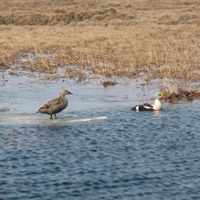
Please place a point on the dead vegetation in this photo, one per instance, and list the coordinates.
(124, 52)
(153, 39)
(182, 95)
(61, 12)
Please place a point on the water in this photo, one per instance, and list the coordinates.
(98, 148)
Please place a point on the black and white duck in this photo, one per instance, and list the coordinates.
(55, 106)
(150, 107)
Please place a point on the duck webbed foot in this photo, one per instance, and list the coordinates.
(55, 116)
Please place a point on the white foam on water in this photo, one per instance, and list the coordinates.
(87, 119)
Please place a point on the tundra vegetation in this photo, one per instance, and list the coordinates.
(155, 39)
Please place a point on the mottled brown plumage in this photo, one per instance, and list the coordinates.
(55, 105)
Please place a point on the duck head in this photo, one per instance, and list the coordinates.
(160, 96)
(65, 92)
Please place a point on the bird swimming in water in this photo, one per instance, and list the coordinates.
(150, 107)
(55, 106)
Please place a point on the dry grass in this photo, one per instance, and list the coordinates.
(104, 12)
(160, 39)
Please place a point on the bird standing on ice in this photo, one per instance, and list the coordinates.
(149, 107)
(55, 105)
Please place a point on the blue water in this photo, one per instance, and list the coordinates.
(128, 155)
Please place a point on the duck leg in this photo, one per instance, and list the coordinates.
(50, 116)
(55, 116)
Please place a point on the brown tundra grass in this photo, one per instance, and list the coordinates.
(157, 39)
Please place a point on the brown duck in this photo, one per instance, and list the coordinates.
(55, 105)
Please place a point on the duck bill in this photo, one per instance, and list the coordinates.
(163, 96)
(70, 92)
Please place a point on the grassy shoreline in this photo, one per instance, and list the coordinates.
(158, 39)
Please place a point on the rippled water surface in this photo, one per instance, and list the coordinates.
(97, 148)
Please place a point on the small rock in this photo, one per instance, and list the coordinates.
(109, 83)
(4, 109)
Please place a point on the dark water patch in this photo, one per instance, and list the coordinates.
(128, 155)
